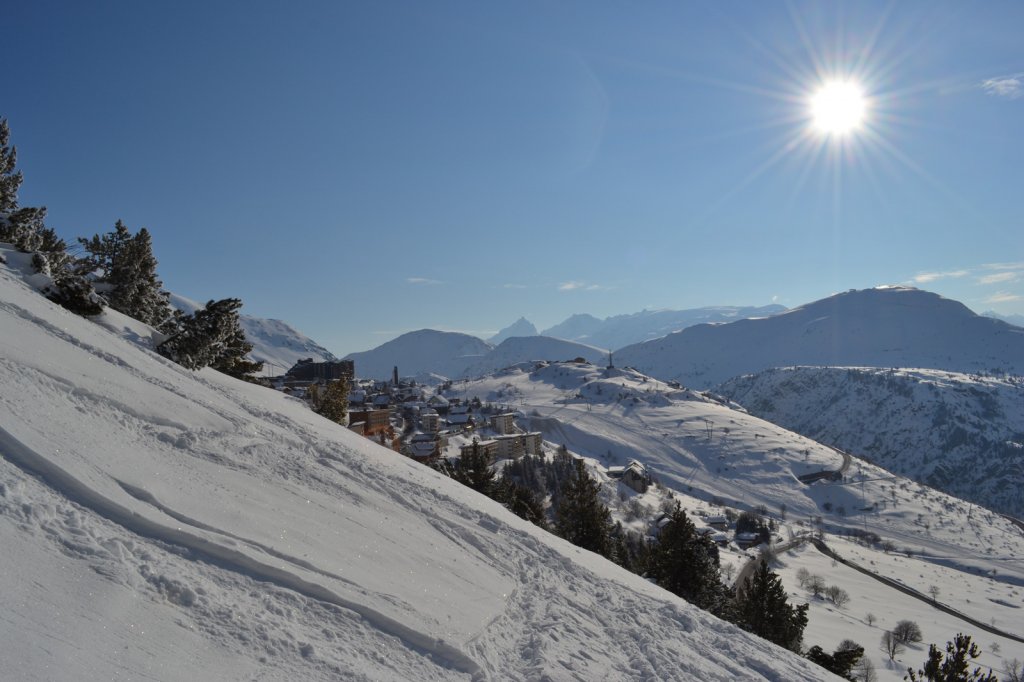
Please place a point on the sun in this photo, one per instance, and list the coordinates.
(838, 108)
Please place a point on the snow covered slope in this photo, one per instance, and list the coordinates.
(715, 457)
(623, 330)
(1017, 320)
(883, 327)
(162, 524)
(274, 342)
(958, 433)
(706, 448)
(521, 327)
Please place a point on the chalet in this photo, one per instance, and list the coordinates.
(718, 522)
(438, 402)
(748, 540)
(504, 423)
(462, 420)
(426, 446)
(633, 475)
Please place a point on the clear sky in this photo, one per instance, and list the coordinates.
(361, 169)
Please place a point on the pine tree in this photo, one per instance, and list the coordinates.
(840, 662)
(954, 666)
(686, 563)
(332, 401)
(9, 180)
(582, 518)
(762, 609)
(474, 471)
(126, 267)
(212, 337)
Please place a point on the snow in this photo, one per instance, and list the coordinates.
(712, 454)
(274, 342)
(961, 433)
(883, 327)
(165, 524)
(619, 331)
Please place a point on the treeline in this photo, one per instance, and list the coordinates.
(559, 495)
(118, 270)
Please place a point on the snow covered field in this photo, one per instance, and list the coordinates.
(164, 524)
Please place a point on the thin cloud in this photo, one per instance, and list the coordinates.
(421, 281)
(999, 277)
(925, 277)
(1004, 297)
(1009, 87)
(514, 286)
(1004, 266)
(574, 285)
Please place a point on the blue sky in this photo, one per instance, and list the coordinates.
(364, 169)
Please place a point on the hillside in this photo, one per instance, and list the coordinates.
(713, 457)
(883, 327)
(958, 433)
(423, 351)
(164, 524)
(622, 330)
(274, 342)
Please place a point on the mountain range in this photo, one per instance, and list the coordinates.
(455, 355)
(881, 327)
(622, 330)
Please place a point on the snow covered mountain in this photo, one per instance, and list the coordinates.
(958, 433)
(521, 327)
(623, 330)
(883, 327)
(423, 351)
(575, 328)
(274, 342)
(165, 524)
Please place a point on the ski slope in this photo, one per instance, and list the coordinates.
(172, 525)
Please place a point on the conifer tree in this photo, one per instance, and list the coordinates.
(954, 666)
(841, 662)
(762, 609)
(686, 563)
(582, 518)
(9, 180)
(212, 337)
(26, 229)
(124, 263)
(474, 471)
(521, 501)
(332, 401)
